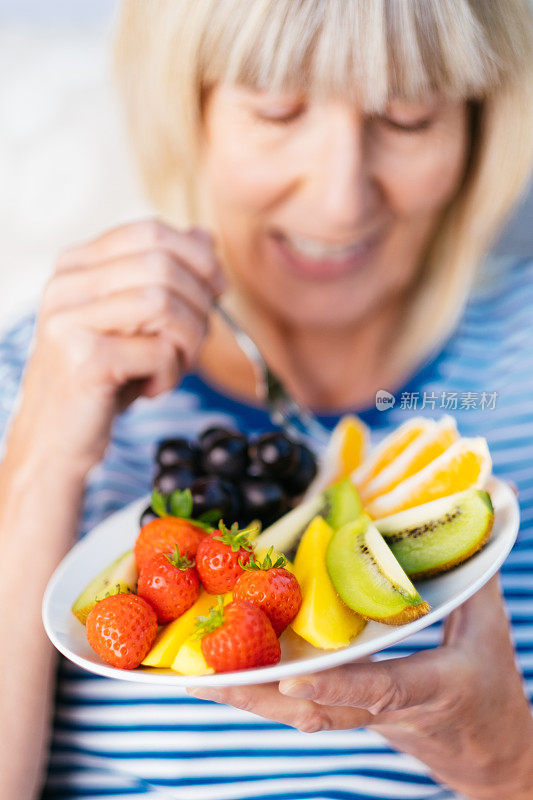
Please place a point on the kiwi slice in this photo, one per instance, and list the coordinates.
(437, 536)
(119, 577)
(368, 577)
(338, 505)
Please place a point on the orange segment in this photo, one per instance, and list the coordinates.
(465, 464)
(353, 442)
(345, 452)
(389, 449)
(424, 449)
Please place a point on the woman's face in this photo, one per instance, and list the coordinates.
(324, 213)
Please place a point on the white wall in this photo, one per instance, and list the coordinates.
(65, 167)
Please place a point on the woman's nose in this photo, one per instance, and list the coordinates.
(341, 174)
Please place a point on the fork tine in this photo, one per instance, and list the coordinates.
(283, 409)
(294, 416)
(249, 348)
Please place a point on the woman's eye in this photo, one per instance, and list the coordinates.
(281, 117)
(408, 127)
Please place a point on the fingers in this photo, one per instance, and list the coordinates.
(266, 701)
(192, 247)
(131, 312)
(156, 269)
(378, 687)
(481, 624)
(151, 362)
(151, 359)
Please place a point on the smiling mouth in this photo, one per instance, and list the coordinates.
(317, 258)
(319, 250)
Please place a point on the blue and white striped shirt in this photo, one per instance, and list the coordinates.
(119, 739)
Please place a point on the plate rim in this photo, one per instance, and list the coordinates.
(326, 660)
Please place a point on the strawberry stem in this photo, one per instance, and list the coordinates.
(180, 504)
(214, 619)
(234, 537)
(179, 561)
(266, 564)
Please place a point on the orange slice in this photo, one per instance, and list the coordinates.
(352, 436)
(424, 448)
(345, 452)
(464, 464)
(389, 449)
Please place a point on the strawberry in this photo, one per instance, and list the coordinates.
(238, 636)
(220, 557)
(170, 583)
(121, 629)
(271, 587)
(164, 535)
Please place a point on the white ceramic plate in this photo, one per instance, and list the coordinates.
(117, 534)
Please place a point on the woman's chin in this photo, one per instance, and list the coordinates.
(316, 308)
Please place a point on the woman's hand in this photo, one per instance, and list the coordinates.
(459, 708)
(123, 316)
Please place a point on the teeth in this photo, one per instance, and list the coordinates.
(311, 248)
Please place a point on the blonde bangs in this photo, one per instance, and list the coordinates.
(367, 52)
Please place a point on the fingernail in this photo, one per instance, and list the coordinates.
(302, 689)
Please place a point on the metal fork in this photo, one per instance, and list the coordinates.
(283, 409)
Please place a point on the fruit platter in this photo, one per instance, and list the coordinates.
(255, 560)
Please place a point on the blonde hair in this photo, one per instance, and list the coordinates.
(169, 52)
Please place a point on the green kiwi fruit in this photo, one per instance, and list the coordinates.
(119, 577)
(437, 536)
(368, 577)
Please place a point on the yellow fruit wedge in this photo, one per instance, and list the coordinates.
(424, 449)
(190, 659)
(465, 464)
(171, 637)
(120, 576)
(389, 449)
(346, 450)
(350, 438)
(324, 619)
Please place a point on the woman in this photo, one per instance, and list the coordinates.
(352, 163)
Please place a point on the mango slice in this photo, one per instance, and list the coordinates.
(171, 637)
(324, 619)
(190, 659)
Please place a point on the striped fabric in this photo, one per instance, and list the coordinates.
(117, 739)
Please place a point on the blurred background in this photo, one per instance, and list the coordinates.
(66, 172)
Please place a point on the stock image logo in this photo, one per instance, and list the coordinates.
(447, 400)
(384, 400)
